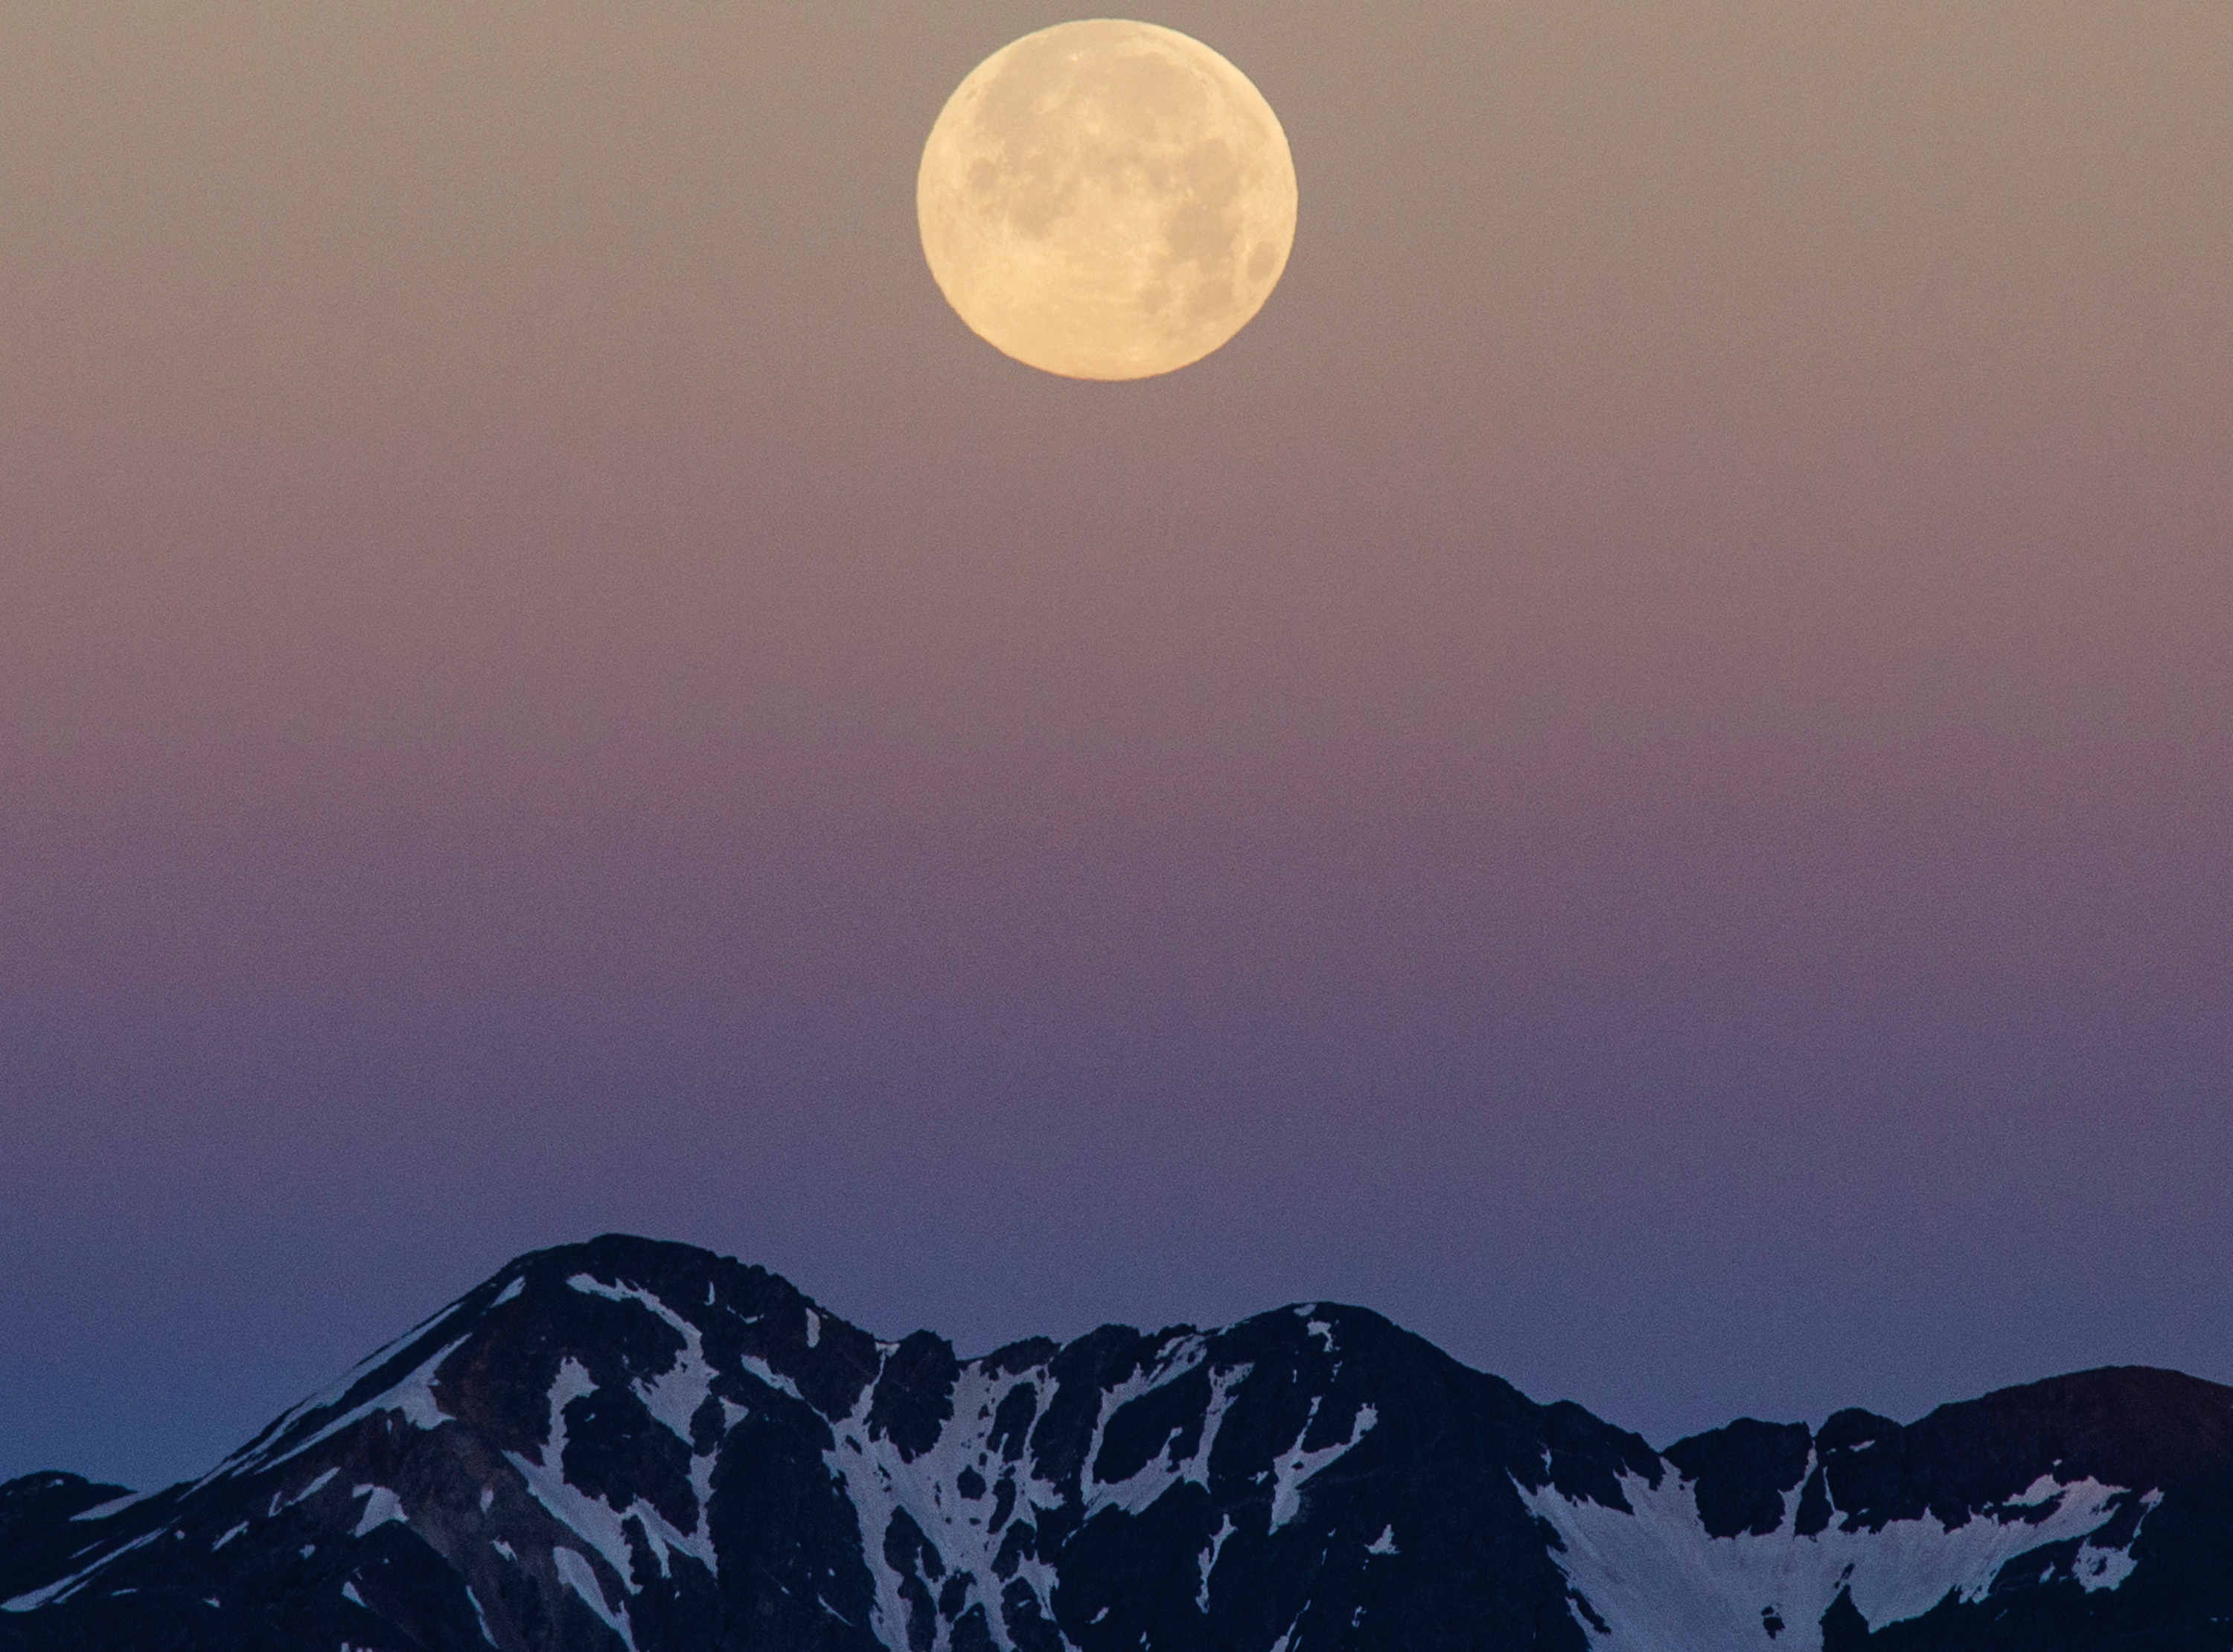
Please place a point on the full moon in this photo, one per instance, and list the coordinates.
(1106, 199)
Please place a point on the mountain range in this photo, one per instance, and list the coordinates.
(629, 1446)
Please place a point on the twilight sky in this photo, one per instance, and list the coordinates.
(1639, 776)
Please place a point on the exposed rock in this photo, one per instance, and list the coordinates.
(633, 1445)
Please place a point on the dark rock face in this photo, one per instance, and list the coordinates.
(38, 1532)
(1743, 1473)
(632, 1445)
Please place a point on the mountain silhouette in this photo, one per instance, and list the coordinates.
(628, 1446)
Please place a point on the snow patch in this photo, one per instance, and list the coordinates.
(1158, 1474)
(381, 1508)
(1225, 1530)
(115, 1505)
(1222, 1384)
(413, 1396)
(1295, 1466)
(2108, 1568)
(674, 1397)
(480, 1615)
(67, 1586)
(1657, 1580)
(760, 1368)
(582, 1578)
(591, 1519)
(880, 1482)
(257, 1452)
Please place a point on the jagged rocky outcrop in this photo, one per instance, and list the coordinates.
(633, 1445)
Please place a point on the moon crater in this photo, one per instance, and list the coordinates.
(1106, 199)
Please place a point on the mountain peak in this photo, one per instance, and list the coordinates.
(632, 1444)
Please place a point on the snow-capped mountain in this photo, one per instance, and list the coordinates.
(633, 1445)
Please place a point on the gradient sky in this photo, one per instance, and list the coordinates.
(1639, 776)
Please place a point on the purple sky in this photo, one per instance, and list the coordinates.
(1639, 776)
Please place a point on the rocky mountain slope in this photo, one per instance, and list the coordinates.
(633, 1445)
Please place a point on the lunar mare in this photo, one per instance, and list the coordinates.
(1106, 199)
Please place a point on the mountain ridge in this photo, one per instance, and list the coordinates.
(632, 1444)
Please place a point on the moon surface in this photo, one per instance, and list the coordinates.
(1106, 199)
